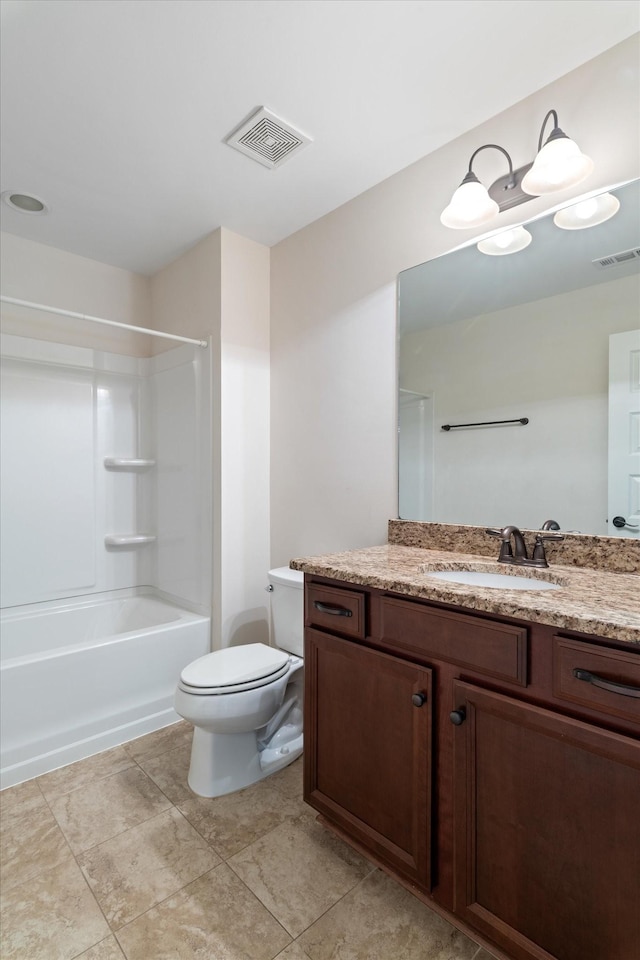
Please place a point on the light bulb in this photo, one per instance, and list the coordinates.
(504, 240)
(509, 241)
(586, 209)
(587, 213)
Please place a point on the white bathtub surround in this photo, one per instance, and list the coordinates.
(79, 676)
(106, 545)
(106, 472)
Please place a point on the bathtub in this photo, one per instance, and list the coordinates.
(78, 677)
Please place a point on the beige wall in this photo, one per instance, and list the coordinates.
(42, 274)
(333, 338)
(220, 289)
(244, 441)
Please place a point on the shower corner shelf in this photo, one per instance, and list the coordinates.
(127, 463)
(128, 540)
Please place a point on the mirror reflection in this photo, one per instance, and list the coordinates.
(550, 335)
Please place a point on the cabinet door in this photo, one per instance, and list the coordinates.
(368, 749)
(547, 843)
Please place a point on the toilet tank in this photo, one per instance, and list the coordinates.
(287, 609)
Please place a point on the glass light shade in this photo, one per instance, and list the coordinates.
(558, 165)
(509, 241)
(587, 213)
(470, 206)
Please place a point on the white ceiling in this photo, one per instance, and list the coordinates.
(115, 111)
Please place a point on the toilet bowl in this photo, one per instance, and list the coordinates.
(245, 702)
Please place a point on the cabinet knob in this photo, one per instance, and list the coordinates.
(458, 716)
(418, 699)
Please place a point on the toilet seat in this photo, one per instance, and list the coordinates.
(234, 670)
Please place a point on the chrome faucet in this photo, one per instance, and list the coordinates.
(517, 554)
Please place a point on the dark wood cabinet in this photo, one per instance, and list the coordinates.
(521, 822)
(368, 750)
(547, 830)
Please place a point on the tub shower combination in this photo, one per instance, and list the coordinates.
(105, 546)
(79, 677)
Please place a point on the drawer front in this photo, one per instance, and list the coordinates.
(597, 677)
(486, 646)
(336, 609)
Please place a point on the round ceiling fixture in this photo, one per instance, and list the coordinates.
(25, 203)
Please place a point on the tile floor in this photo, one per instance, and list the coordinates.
(114, 857)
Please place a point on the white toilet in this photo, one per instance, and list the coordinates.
(245, 702)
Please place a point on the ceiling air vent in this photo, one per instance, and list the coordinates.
(615, 258)
(267, 139)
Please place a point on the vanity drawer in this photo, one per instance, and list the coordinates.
(486, 646)
(336, 609)
(597, 677)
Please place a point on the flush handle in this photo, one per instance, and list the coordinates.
(332, 608)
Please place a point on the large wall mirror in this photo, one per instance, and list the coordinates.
(549, 335)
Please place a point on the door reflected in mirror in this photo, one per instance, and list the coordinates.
(524, 337)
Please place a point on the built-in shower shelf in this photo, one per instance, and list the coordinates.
(128, 539)
(127, 463)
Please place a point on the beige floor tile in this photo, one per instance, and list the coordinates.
(169, 771)
(107, 950)
(235, 821)
(214, 918)
(379, 919)
(99, 811)
(31, 844)
(139, 868)
(153, 744)
(289, 780)
(60, 782)
(53, 916)
(18, 800)
(298, 871)
(484, 955)
(294, 952)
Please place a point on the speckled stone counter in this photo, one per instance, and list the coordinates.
(589, 601)
(614, 554)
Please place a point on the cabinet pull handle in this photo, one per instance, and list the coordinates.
(622, 688)
(458, 716)
(332, 608)
(418, 699)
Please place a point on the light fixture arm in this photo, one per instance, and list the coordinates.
(555, 133)
(491, 146)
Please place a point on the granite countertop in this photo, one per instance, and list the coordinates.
(589, 601)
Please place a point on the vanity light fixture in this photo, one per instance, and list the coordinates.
(506, 242)
(587, 213)
(558, 164)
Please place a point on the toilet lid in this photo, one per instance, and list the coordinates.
(246, 664)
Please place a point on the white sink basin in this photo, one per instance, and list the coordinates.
(503, 581)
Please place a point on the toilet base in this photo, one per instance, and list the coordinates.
(223, 763)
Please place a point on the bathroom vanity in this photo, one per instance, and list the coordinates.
(483, 745)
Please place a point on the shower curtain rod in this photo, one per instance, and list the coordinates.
(110, 323)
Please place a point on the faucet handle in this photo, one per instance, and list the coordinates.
(539, 556)
(506, 553)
